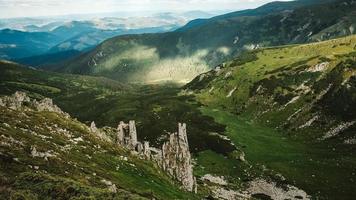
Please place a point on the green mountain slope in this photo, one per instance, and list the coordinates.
(181, 55)
(306, 88)
(292, 109)
(48, 155)
(156, 109)
(262, 156)
(18, 44)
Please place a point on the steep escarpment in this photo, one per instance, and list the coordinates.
(181, 55)
(305, 88)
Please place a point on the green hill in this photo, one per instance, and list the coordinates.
(156, 109)
(291, 108)
(181, 55)
(298, 87)
(48, 155)
(289, 123)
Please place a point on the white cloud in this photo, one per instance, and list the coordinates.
(30, 8)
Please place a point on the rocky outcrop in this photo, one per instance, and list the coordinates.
(99, 133)
(127, 136)
(111, 186)
(20, 101)
(44, 155)
(174, 157)
(337, 130)
(93, 127)
(214, 179)
(231, 92)
(273, 191)
(46, 104)
(319, 67)
(16, 101)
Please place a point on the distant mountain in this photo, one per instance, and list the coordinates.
(17, 44)
(197, 14)
(105, 21)
(180, 55)
(49, 36)
(48, 59)
(74, 28)
(266, 9)
(42, 28)
(88, 39)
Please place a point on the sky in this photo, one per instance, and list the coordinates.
(32, 8)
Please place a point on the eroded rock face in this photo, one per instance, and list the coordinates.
(99, 133)
(214, 179)
(271, 190)
(20, 101)
(176, 158)
(111, 187)
(46, 104)
(93, 127)
(319, 67)
(146, 149)
(16, 101)
(127, 135)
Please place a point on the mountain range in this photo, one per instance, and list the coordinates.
(202, 44)
(40, 36)
(264, 100)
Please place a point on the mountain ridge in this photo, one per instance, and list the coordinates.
(170, 55)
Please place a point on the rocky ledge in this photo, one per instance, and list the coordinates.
(20, 101)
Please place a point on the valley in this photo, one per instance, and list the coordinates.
(270, 152)
(311, 166)
(255, 104)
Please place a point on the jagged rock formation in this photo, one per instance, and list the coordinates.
(93, 127)
(174, 157)
(20, 100)
(98, 133)
(273, 191)
(127, 136)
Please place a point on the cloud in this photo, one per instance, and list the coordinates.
(30, 8)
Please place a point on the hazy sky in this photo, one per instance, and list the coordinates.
(30, 8)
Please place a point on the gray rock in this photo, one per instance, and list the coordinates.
(20, 101)
(176, 158)
(93, 127)
(120, 133)
(146, 149)
(99, 133)
(133, 133)
(127, 135)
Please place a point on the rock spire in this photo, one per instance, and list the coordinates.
(174, 157)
